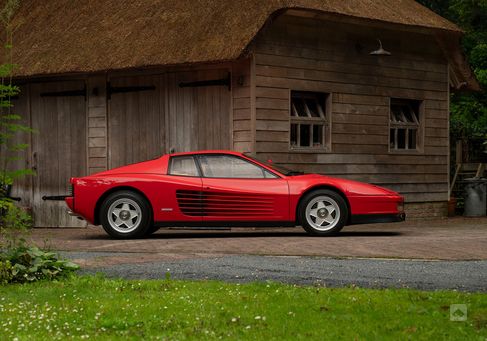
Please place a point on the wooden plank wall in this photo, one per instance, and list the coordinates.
(58, 147)
(97, 124)
(242, 132)
(198, 118)
(136, 121)
(146, 124)
(297, 53)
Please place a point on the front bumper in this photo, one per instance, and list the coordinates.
(377, 218)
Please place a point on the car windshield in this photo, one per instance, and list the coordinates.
(281, 169)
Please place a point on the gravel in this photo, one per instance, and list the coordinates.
(370, 273)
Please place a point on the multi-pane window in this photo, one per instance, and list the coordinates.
(404, 124)
(309, 119)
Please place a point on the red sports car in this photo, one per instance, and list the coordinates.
(225, 188)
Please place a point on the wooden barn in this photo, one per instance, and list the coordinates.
(351, 88)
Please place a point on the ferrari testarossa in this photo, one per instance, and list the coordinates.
(224, 188)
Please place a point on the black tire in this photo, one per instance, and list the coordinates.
(152, 229)
(137, 205)
(310, 202)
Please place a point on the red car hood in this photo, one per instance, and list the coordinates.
(349, 186)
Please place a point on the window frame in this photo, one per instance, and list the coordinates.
(419, 127)
(325, 121)
(200, 168)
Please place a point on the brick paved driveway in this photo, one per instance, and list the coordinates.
(449, 239)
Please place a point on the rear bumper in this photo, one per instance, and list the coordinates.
(70, 202)
(72, 214)
(70, 210)
(377, 218)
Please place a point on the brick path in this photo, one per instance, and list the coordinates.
(450, 239)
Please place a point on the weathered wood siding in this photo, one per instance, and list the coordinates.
(146, 124)
(58, 149)
(97, 124)
(307, 54)
(136, 126)
(198, 118)
(242, 119)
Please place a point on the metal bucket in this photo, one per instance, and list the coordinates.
(475, 197)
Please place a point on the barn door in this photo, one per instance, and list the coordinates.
(135, 120)
(58, 147)
(198, 110)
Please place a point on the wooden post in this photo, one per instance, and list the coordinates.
(97, 124)
(459, 152)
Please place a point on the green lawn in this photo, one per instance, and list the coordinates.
(98, 308)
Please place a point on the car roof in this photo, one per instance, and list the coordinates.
(199, 152)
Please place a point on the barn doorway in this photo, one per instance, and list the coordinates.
(150, 115)
(136, 119)
(58, 148)
(198, 113)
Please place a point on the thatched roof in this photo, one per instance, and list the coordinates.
(65, 36)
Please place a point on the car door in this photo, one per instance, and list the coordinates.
(238, 190)
(179, 196)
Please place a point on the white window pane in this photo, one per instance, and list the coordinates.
(184, 166)
(222, 166)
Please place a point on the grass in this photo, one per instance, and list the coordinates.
(92, 307)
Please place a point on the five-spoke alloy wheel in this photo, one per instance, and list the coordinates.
(126, 214)
(323, 212)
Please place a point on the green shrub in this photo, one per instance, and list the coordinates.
(14, 217)
(14, 224)
(6, 275)
(29, 264)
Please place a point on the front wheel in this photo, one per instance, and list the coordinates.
(126, 214)
(323, 212)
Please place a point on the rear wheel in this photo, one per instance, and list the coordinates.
(126, 214)
(323, 212)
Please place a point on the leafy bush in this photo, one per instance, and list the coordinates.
(16, 217)
(6, 274)
(29, 264)
(14, 224)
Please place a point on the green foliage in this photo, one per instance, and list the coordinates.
(13, 220)
(18, 261)
(14, 224)
(6, 274)
(15, 217)
(468, 110)
(11, 123)
(8, 10)
(28, 264)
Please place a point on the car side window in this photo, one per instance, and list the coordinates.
(183, 166)
(227, 166)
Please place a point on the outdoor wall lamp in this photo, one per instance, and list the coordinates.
(380, 51)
